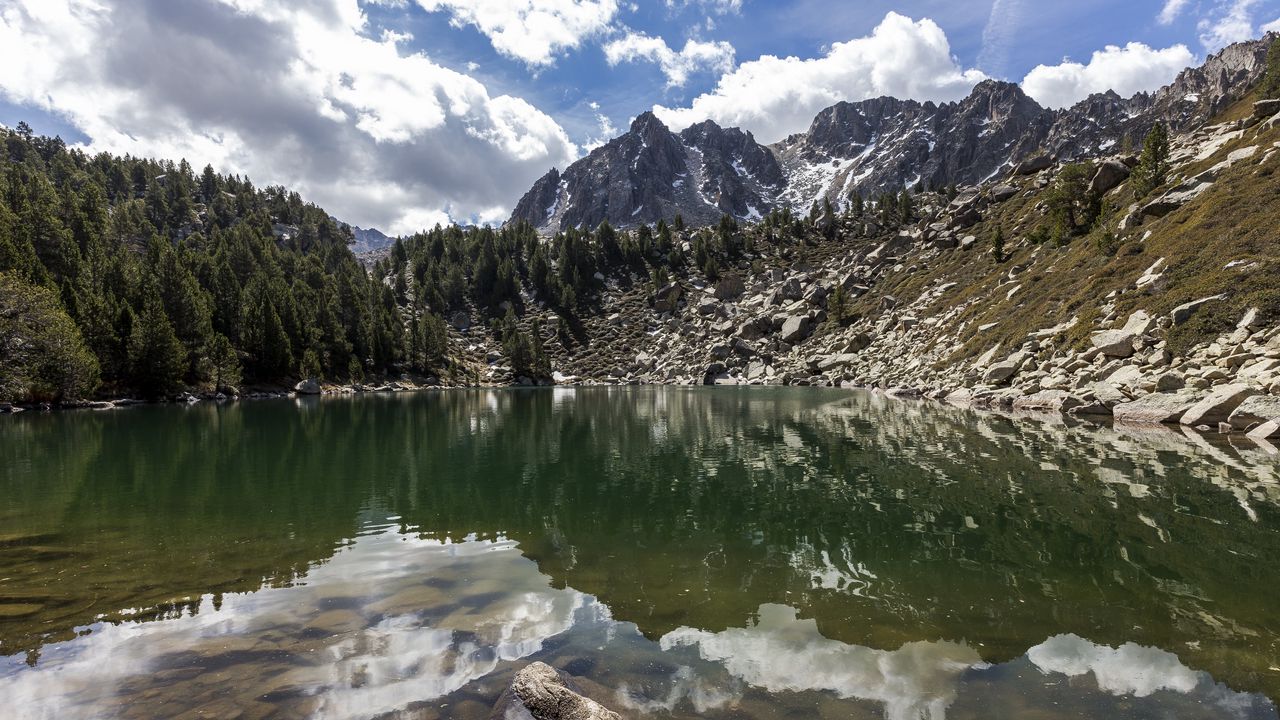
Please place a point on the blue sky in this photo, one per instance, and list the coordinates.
(402, 113)
(1018, 36)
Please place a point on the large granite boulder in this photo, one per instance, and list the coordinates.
(1217, 406)
(1032, 166)
(1183, 312)
(1266, 108)
(796, 328)
(1255, 411)
(1266, 431)
(1108, 177)
(1059, 401)
(729, 287)
(666, 298)
(1119, 343)
(1156, 408)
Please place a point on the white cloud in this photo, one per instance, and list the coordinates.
(287, 92)
(720, 7)
(607, 131)
(782, 653)
(1233, 23)
(677, 66)
(532, 31)
(1000, 34)
(1271, 27)
(1171, 11)
(1127, 70)
(773, 97)
(1128, 670)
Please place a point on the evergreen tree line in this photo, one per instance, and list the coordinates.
(444, 271)
(141, 276)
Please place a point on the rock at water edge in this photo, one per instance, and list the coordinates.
(1156, 408)
(1218, 405)
(547, 696)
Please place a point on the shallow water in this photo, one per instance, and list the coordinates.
(736, 553)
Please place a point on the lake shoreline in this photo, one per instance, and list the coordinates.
(1001, 405)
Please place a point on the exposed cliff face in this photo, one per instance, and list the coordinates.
(651, 173)
(886, 144)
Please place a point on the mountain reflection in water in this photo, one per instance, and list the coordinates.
(760, 553)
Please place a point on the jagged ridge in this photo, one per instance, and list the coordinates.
(704, 172)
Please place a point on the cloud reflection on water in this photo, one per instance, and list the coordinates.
(394, 619)
(782, 653)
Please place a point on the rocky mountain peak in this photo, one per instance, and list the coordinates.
(1000, 100)
(868, 146)
(648, 127)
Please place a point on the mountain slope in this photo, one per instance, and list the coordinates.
(883, 144)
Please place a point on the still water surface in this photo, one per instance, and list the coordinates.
(729, 553)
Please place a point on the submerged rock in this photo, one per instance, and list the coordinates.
(546, 695)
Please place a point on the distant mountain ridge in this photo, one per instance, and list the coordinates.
(704, 172)
(369, 240)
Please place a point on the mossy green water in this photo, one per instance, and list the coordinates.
(358, 557)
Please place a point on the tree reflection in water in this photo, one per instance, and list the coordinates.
(762, 551)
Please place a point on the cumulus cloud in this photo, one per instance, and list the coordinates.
(1171, 11)
(1233, 23)
(1271, 27)
(1127, 70)
(287, 92)
(695, 56)
(774, 97)
(532, 31)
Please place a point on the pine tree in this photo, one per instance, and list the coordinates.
(997, 244)
(1153, 163)
(42, 353)
(225, 362)
(839, 313)
(265, 337)
(309, 367)
(435, 342)
(1070, 204)
(157, 358)
(524, 351)
(1270, 88)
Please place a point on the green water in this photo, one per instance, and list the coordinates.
(753, 553)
